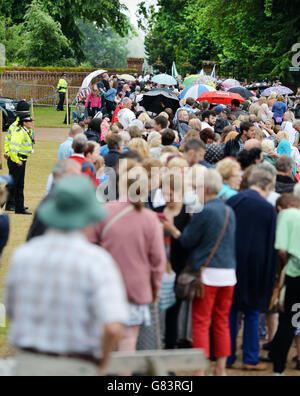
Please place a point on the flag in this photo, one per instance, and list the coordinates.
(83, 94)
(213, 74)
(174, 71)
(202, 73)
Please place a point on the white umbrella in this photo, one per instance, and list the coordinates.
(127, 77)
(90, 78)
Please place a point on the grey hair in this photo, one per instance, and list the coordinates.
(79, 143)
(180, 112)
(265, 166)
(267, 146)
(125, 137)
(284, 164)
(261, 178)
(61, 167)
(296, 124)
(213, 181)
(297, 190)
(126, 101)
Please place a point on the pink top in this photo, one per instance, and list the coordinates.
(136, 242)
(95, 101)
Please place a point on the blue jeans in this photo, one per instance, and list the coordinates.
(251, 345)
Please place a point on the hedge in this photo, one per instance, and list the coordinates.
(66, 69)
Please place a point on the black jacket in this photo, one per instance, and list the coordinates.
(284, 184)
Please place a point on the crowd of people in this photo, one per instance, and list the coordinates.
(217, 195)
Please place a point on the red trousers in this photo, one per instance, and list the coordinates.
(213, 309)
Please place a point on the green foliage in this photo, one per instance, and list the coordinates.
(82, 69)
(172, 34)
(255, 35)
(67, 12)
(103, 47)
(43, 41)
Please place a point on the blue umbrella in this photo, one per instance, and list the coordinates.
(194, 91)
(164, 79)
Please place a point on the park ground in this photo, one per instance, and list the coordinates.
(39, 167)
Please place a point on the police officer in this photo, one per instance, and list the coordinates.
(20, 149)
(22, 110)
(62, 89)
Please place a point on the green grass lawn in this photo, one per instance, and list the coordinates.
(48, 117)
(37, 172)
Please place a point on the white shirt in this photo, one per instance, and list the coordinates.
(60, 293)
(206, 125)
(126, 117)
(218, 277)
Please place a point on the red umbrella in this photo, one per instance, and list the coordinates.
(220, 97)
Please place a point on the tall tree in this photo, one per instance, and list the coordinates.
(103, 47)
(43, 41)
(67, 12)
(172, 34)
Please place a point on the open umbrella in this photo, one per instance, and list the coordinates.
(256, 86)
(231, 82)
(194, 91)
(164, 79)
(90, 78)
(127, 77)
(207, 80)
(220, 97)
(244, 92)
(190, 79)
(157, 100)
(279, 90)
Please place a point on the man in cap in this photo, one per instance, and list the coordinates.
(20, 149)
(66, 318)
(62, 90)
(22, 110)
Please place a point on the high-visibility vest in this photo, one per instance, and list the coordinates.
(21, 145)
(11, 129)
(62, 86)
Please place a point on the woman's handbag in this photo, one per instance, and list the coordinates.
(189, 284)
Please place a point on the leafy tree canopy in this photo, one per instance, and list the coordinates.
(103, 47)
(67, 12)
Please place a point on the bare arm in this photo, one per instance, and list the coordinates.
(112, 335)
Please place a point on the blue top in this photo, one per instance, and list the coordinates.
(279, 109)
(104, 150)
(226, 193)
(65, 149)
(201, 235)
(110, 95)
(4, 232)
(207, 164)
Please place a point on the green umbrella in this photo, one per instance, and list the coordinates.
(190, 79)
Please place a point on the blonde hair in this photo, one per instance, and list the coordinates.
(164, 114)
(195, 124)
(282, 136)
(178, 162)
(273, 96)
(156, 142)
(192, 134)
(267, 146)
(144, 117)
(289, 116)
(170, 150)
(126, 180)
(259, 134)
(226, 168)
(99, 163)
(139, 146)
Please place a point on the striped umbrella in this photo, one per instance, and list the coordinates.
(190, 79)
(195, 91)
